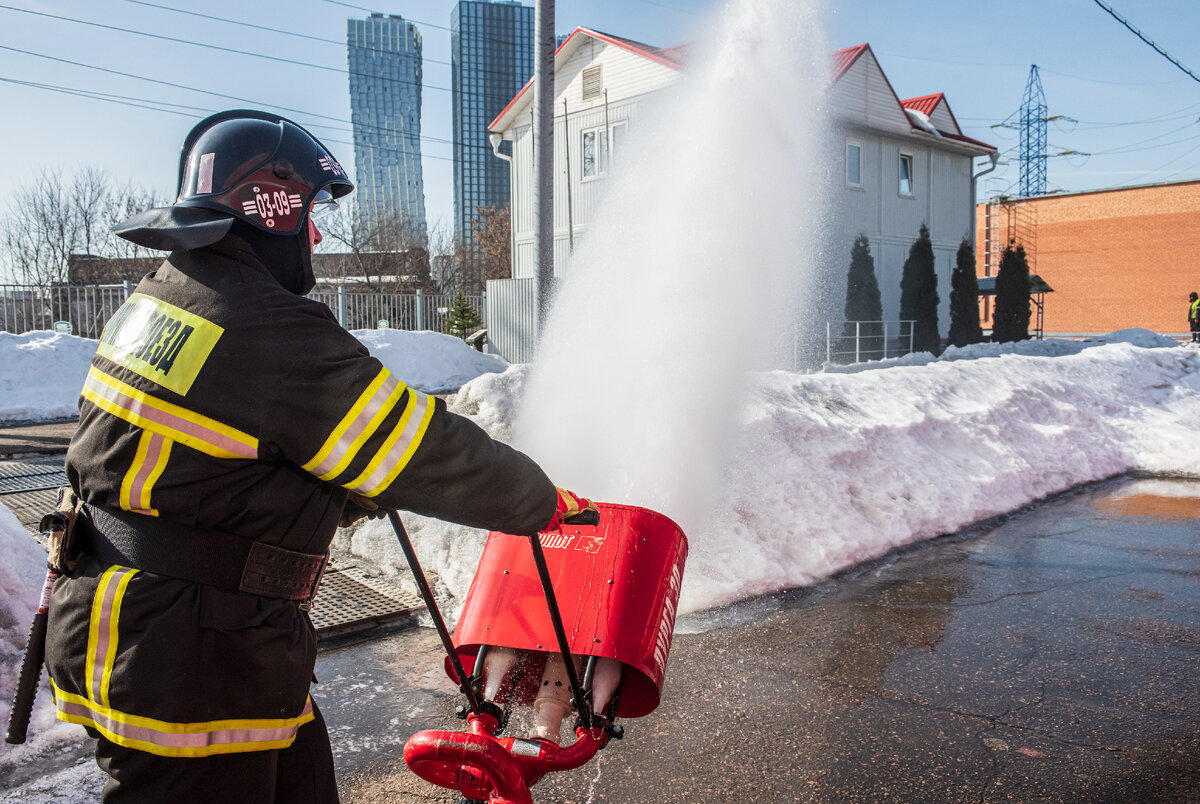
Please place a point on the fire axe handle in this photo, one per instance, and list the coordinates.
(31, 668)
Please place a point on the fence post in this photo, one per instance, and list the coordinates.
(884, 339)
(857, 341)
(420, 309)
(828, 342)
(483, 308)
(341, 306)
(128, 285)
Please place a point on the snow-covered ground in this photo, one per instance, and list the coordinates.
(826, 470)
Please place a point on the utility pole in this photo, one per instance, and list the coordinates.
(543, 155)
(1033, 137)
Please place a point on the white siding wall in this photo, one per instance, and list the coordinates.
(630, 80)
(941, 119)
(863, 97)
(941, 200)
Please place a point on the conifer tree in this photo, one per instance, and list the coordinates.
(461, 319)
(919, 297)
(1013, 310)
(863, 304)
(964, 299)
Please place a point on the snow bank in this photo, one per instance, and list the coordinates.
(41, 374)
(837, 469)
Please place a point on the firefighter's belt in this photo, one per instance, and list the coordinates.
(203, 556)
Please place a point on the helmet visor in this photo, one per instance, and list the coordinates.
(323, 205)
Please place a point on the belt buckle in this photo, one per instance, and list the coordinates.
(307, 603)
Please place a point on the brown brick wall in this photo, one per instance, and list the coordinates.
(1116, 259)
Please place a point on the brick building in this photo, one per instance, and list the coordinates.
(1116, 259)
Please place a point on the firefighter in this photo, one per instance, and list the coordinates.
(227, 425)
(1194, 316)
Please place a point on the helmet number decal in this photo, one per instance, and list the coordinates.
(272, 204)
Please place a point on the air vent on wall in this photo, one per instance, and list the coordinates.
(592, 84)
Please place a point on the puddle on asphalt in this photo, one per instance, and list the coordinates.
(1169, 500)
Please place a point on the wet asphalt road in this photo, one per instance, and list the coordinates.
(1055, 657)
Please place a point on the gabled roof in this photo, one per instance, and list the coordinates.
(926, 105)
(675, 58)
(672, 57)
(844, 59)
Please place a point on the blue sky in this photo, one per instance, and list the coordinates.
(1132, 110)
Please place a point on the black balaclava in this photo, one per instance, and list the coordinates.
(287, 257)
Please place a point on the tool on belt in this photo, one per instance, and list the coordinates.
(57, 528)
(209, 557)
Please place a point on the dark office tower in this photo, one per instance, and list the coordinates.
(385, 109)
(492, 49)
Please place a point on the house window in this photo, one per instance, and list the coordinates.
(853, 163)
(593, 87)
(596, 151)
(906, 174)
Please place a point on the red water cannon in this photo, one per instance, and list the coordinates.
(575, 620)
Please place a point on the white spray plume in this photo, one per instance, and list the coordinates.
(685, 276)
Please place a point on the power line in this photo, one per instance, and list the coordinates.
(156, 106)
(1145, 39)
(309, 37)
(251, 101)
(216, 47)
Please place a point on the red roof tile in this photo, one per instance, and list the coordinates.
(924, 104)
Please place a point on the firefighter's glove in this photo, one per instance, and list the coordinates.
(572, 507)
(359, 507)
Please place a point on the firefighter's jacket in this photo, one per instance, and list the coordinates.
(220, 401)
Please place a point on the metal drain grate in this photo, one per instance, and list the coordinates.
(352, 602)
(32, 473)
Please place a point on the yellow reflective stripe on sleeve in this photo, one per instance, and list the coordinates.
(362, 420)
(176, 423)
(165, 738)
(398, 449)
(148, 465)
(102, 630)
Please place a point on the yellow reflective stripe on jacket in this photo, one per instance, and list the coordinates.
(102, 630)
(153, 450)
(177, 423)
(165, 738)
(398, 449)
(359, 424)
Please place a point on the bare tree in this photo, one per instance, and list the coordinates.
(372, 247)
(493, 241)
(120, 204)
(54, 217)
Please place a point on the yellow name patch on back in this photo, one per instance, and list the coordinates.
(159, 341)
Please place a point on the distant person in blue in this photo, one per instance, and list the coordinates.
(1194, 316)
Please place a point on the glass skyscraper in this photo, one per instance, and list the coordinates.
(492, 51)
(385, 108)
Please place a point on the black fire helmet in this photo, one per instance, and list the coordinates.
(255, 166)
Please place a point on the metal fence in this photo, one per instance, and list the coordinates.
(79, 309)
(84, 309)
(861, 341)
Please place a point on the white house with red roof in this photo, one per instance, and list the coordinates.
(904, 163)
